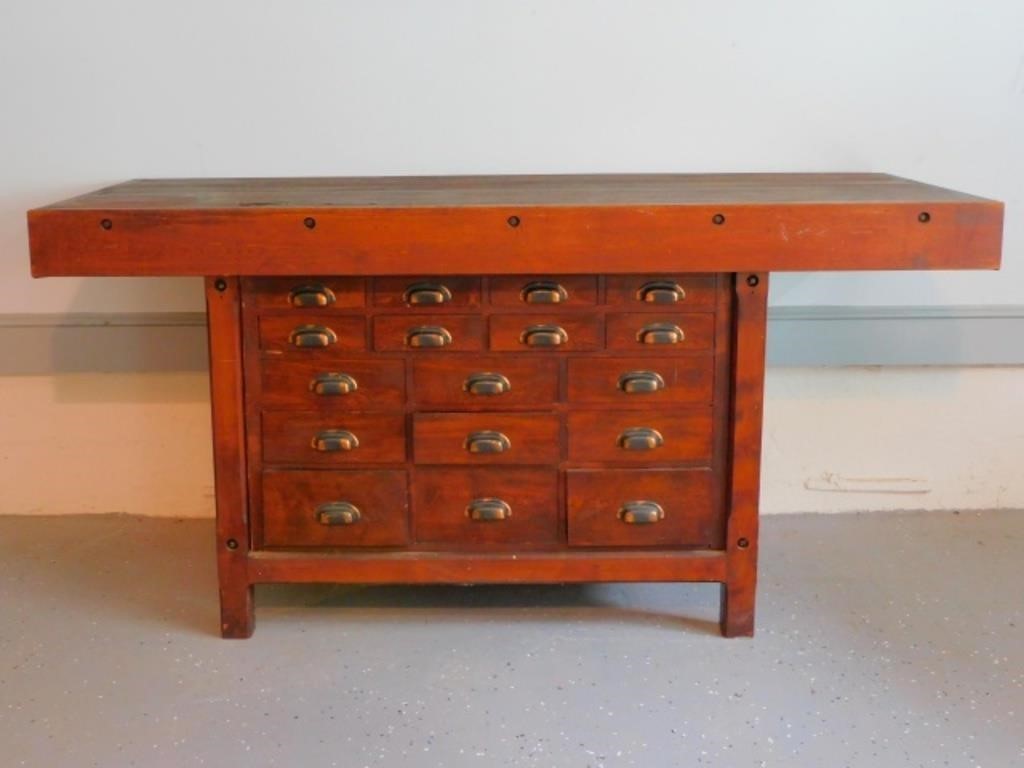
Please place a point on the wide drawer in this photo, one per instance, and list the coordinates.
(661, 332)
(308, 293)
(351, 384)
(484, 382)
(543, 332)
(428, 334)
(641, 380)
(311, 335)
(641, 436)
(426, 292)
(486, 438)
(642, 508)
(562, 290)
(335, 509)
(485, 506)
(318, 439)
(682, 291)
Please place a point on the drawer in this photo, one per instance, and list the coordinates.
(545, 333)
(311, 335)
(427, 334)
(641, 380)
(640, 437)
(486, 438)
(343, 384)
(484, 382)
(643, 508)
(318, 439)
(335, 509)
(525, 291)
(662, 332)
(661, 291)
(422, 293)
(485, 506)
(322, 294)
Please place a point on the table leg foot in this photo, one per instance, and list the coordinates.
(236, 611)
(737, 611)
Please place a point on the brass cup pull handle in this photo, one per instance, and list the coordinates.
(487, 441)
(312, 295)
(641, 382)
(544, 292)
(332, 384)
(420, 294)
(660, 333)
(487, 384)
(641, 513)
(640, 439)
(425, 336)
(661, 292)
(338, 513)
(335, 440)
(488, 510)
(544, 336)
(312, 336)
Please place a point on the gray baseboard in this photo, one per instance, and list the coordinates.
(797, 336)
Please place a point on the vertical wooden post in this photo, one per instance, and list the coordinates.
(223, 308)
(750, 324)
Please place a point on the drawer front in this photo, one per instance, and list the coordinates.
(641, 380)
(341, 384)
(540, 292)
(424, 293)
(320, 294)
(317, 439)
(310, 335)
(539, 333)
(484, 382)
(335, 509)
(642, 508)
(662, 332)
(661, 291)
(486, 506)
(486, 438)
(426, 334)
(640, 437)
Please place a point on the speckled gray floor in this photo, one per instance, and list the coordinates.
(883, 640)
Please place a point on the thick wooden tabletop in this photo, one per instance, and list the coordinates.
(515, 224)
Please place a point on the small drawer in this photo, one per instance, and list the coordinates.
(423, 293)
(335, 509)
(313, 336)
(540, 292)
(486, 438)
(661, 291)
(320, 294)
(485, 506)
(349, 384)
(484, 382)
(428, 333)
(545, 333)
(640, 437)
(662, 332)
(317, 439)
(641, 380)
(643, 508)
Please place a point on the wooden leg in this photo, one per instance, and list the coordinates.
(737, 617)
(236, 610)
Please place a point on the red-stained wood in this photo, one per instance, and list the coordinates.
(686, 433)
(695, 292)
(635, 332)
(292, 384)
(291, 437)
(400, 292)
(524, 291)
(277, 293)
(445, 383)
(512, 332)
(445, 438)
(686, 379)
(392, 333)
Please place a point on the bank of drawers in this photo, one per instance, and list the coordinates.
(476, 413)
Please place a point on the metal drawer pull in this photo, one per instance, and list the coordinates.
(641, 513)
(544, 336)
(488, 510)
(312, 336)
(661, 292)
(640, 382)
(330, 384)
(428, 336)
(544, 292)
(640, 439)
(487, 384)
(487, 441)
(338, 513)
(427, 293)
(334, 440)
(313, 295)
(660, 333)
